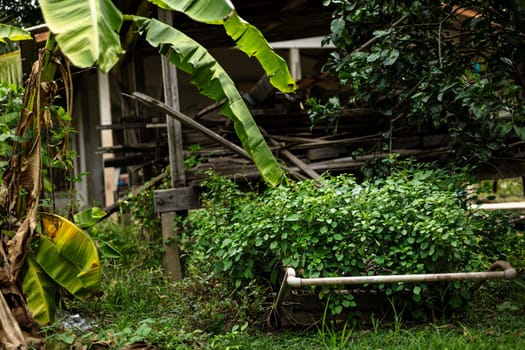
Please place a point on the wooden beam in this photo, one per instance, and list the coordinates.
(322, 143)
(184, 119)
(176, 199)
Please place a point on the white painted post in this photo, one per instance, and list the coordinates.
(295, 63)
(104, 93)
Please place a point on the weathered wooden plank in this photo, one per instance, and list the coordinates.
(130, 125)
(317, 143)
(175, 199)
(139, 147)
(322, 153)
(171, 97)
(190, 122)
(120, 162)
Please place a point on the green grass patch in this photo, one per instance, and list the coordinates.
(140, 306)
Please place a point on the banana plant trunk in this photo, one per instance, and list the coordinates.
(19, 200)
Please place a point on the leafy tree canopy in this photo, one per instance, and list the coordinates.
(457, 66)
(20, 12)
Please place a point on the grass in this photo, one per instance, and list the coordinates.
(141, 306)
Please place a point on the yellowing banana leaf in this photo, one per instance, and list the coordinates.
(63, 271)
(41, 293)
(247, 37)
(213, 81)
(69, 256)
(86, 30)
(13, 33)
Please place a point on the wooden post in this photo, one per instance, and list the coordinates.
(170, 244)
(178, 177)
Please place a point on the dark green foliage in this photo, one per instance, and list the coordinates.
(10, 107)
(328, 113)
(436, 69)
(20, 12)
(57, 157)
(414, 221)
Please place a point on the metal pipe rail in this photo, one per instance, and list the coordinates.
(290, 281)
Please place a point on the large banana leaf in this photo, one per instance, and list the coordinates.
(211, 12)
(213, 81)
(65, 255)
(86, 30)
(41, 293)
(69, 256)
(247, 37)
(12, 33)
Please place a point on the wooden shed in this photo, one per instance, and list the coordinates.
(123, 143)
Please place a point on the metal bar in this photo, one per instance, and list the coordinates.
(296, 282)
(290, 280)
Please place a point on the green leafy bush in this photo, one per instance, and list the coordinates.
(414, 221)
(432, 67)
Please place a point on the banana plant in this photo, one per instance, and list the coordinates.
(88, 33)
(64, 256)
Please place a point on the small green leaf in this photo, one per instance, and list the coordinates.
(89, 217)
(107, 250)
(292, 217)
(373, 57)
(338, 237)
(392, 57)
(381, 33)
(520, 131)
(455, 301)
